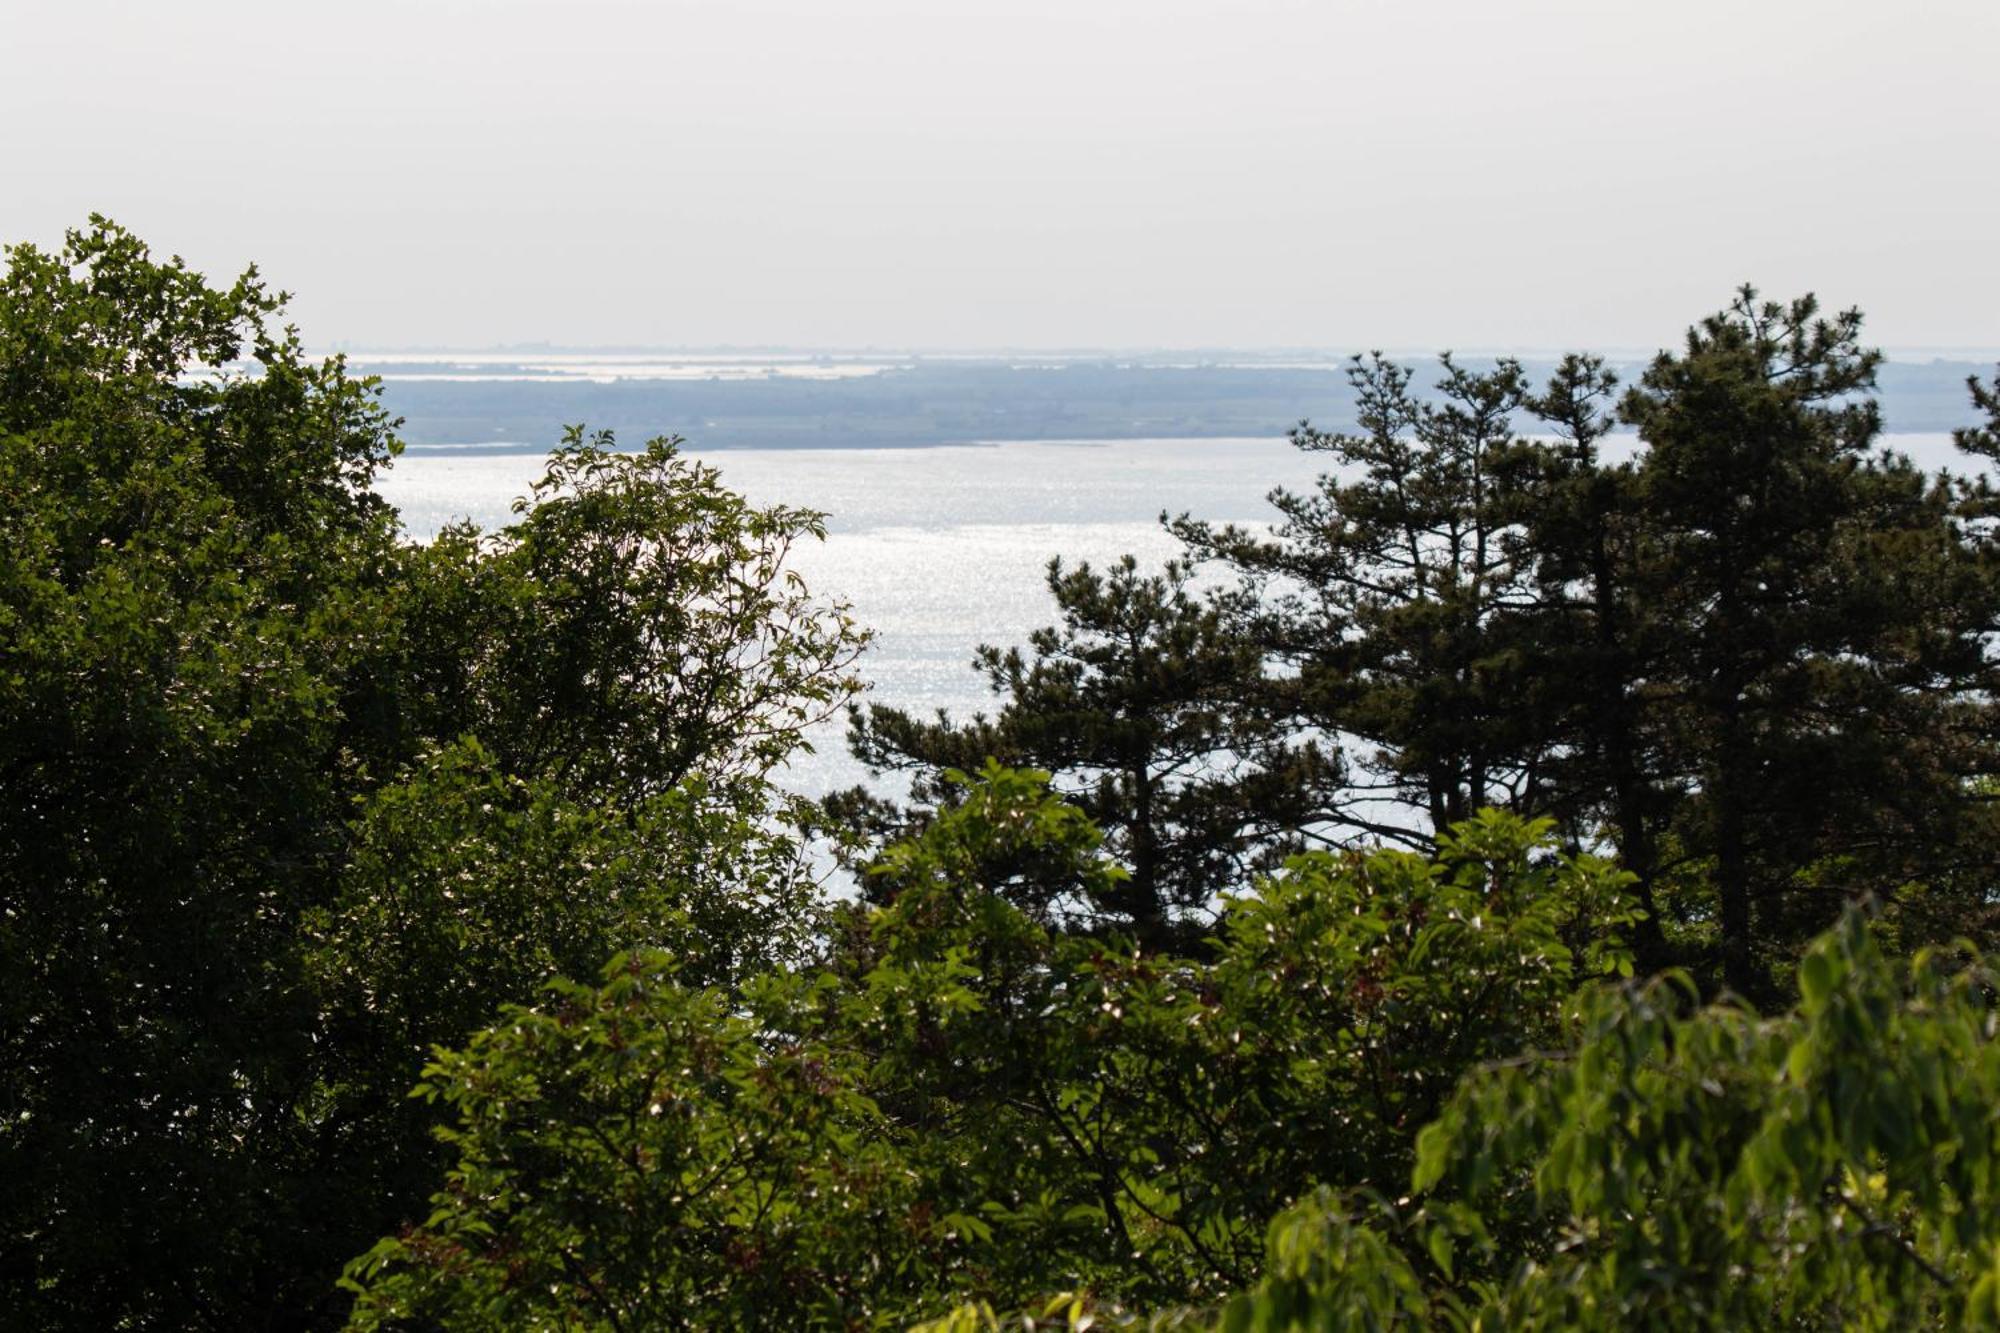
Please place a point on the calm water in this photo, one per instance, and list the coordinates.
(942, 549)
(939, 549)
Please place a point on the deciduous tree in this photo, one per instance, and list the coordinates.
(290, 798)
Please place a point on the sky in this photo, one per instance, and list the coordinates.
(1409, 174)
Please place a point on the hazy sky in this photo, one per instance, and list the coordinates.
(1051, 173)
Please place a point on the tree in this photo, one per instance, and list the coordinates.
(1387, 604)
(1140, 705)
(639, 625)
(291, 798)
(1670, 1165)
(1752, 659)
(1699, 1168)
(1984, 439)
(467, 885)
(186, 564)
(635, 1157)
(993, 1109)
(1592, 637)
(1823, 632)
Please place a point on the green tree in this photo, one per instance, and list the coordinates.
(1833, 1166)
(1814, 695)
(187, 564)
(1751, 659)
(639, 625)
(1386, 601)
(1672, 1166)
(635, 1157)
(1592, 638)
(1984, 439)
(1825, 1166)
(1024, 1111)
(291, 798)
(1139, 704)
(467, 885)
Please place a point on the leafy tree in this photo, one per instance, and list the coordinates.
(467, 885)
(296, 805)
(650, 1154)
(639, 626)
(1828, 1165)
(634, 1157)
(1011, 1110)
(291, 798)
(1712, 1168)
(186, 571)
(1140, 705)
(1673, 1166)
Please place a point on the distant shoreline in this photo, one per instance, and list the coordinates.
(489, 448)
(504, 407)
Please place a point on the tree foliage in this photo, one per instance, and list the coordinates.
(1750, 659)
(1702, 1168)
(638, 625)
(1386, 596)
(1816, 685)
(291, 799)
(1671, 1165)
(302, 814)
(1139, 704)
(1004, 1109)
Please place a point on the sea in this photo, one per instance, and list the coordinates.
(941, 549)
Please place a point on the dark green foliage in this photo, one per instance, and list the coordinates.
(1983, 439)
(1003, 1110)
(1595, 634)
(638, 1156)
(1386, 597)
(1813, 681)
(289, 799)
(1832, 1167)
(1142, 704)
(1751, 659)
(467, 886)
(642, 627)
(188, 575)
(1676, 1167)
(301, 815)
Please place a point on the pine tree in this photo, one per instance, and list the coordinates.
(1822, 630)
(1390, 600)
(1594, 637)
(1141, 703)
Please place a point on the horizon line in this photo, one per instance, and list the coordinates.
(350, 348)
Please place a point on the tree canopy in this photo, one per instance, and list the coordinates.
(1744, 649)
(962, 1104)
(1545, 879)
(291, 798)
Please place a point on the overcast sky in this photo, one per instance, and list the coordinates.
(1034, 173)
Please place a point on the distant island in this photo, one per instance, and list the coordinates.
(867, 401)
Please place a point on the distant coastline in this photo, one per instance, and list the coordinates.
(505, 402)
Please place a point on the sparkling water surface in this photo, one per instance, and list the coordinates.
(941, 549)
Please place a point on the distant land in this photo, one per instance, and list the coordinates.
(520, 400)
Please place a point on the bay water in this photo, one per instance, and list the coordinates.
(940, 549)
